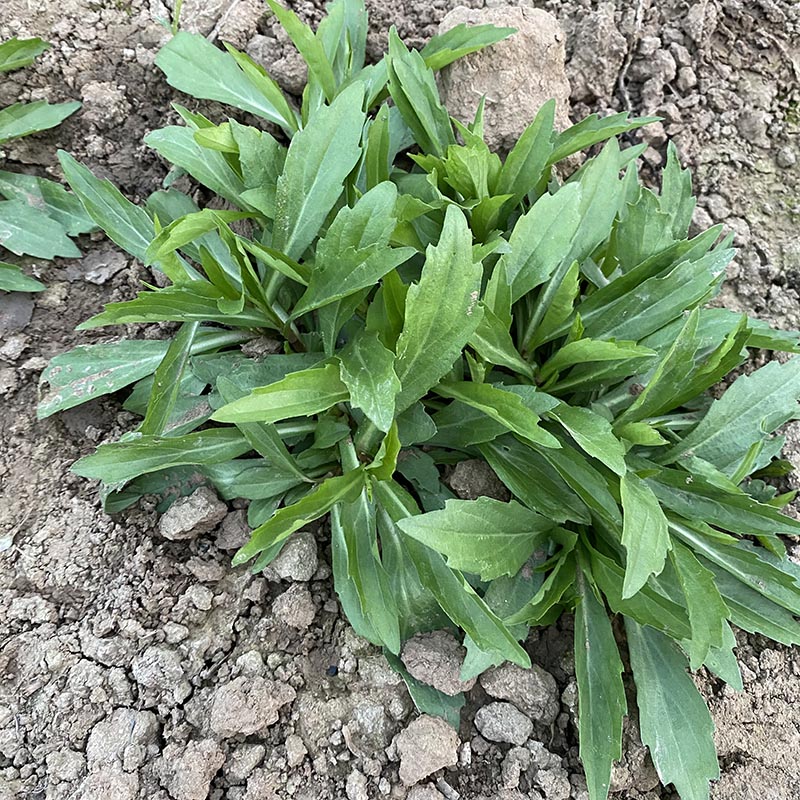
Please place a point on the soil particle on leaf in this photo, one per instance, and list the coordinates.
(435, 658)
(473, 478)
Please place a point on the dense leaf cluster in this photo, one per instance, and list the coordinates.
(385, 297)
(37, 216)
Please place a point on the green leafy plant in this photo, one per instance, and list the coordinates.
(417, 300)
(37, 216)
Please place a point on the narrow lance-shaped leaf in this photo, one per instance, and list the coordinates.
(23, 119)
(645, 533)
(483, 536)
(17, 53)
(674, 721)
(13, 279)
(594, 434)
(460, 41)
(601, 695)
(441, 311)
(317, 503)
(319, 159)
(298, 394)
(26, 230)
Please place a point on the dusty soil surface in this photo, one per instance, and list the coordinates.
(136, 667)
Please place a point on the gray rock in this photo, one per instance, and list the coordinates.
(295, 607)
(368, 731)
(436, 658)
(242, 761)
(752, 125)
(186, 772)
(533, 691)
(426, 745)
(297, 561)
(786, 157)
(356, 786)
(160, 669)
(473, 478)
(598, 50)
(503, 722)
(553, 784)
(248, 705)
(426, 792)
(192, 516)
(295, 750)
(517, 75)
(65, 766)
(111, 783)
(517, 761)
(234, 531)
(126, 737)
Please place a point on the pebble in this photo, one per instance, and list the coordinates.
(503, 722)
(192, 516)
(786, 157)
(297, 561)
(295, 607)
(435, 658)
(425, 746)
(533, 691)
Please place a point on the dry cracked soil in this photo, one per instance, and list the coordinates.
(138, 666)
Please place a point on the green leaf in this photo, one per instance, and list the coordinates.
(601, 695)
(527, 160)
(17, 53)
(441, 313)
(317, 503)
(193, 65)
(460, 41)
(413, 89)
(354, 253)
(452, 592)
(505, 407)
(645, 533)
(482, 536)
(121, 461)
(210, 168)
(540, 240)
(319, 159)
(531, 479)
(168, 380)
(249, 478)
(299, 394)
(49, 197)
(593, 434)
(23, 119)
(427, 699)
(13, 279)
(585, 351)
(309, 46)
(367, 370)
(90, 371)
(751, 408)
(593, 130)
(707, 610)
(26, 230)
(492, 342)
(673, 719)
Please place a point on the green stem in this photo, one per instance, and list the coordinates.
(368, 438)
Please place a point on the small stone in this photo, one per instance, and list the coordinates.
(553, 784)
(517, 75)
(65, 766)
(9, 382)
(503, 722)
(295, 750)
(14, 346)
(297, 561)
(426, 792)
(34, 609)
(517, 761)
(598, 52)
(436, 658)
(248, 705)
(104, 103)
(124, 737)
(786, 157)
(295, 607)
(473, 478)
(112, 783)
(234, 531)
(425, 746)
(192, 516)
(533, 691)
(687, 79)
(752, 125)
(160, 668)
(186, 772)
(243, 760)
(368, 731)
(356, 786)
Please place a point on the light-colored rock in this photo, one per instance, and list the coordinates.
(356, 786)
(474, 478)
(295, 750)
(426, 745)
(295, 607)
(426, 792)
(598, 51)
(297, 561)
(242, 761)
(192, 516)
(533, 691)
(186, 772)
(126, 737)
(503, 722)
(435, 658)
(248, 705)
(111, 783)
(517, 75)
(160, 670)
(368, 731)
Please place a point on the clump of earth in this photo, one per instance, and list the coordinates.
(134, 661)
